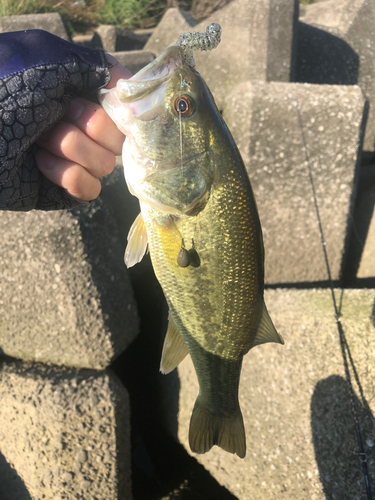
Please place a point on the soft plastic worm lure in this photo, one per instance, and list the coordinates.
(199, 41)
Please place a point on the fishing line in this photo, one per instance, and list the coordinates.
(180, 123)
(337, 310)
(196, 41)
(343, 343)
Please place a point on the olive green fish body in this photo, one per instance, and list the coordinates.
(219, 302)
(216, 306)
(200, 222)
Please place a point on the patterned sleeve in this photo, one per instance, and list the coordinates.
(39, 75)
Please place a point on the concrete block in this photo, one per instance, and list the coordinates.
(65, 294)
(108, 37)
(170, 27)
(336, 45)
(64, 434)
(134, 60)
(263, 51)
(89, 40)
(51, 22)
(301, 439)
(264, 121)
(116, 40)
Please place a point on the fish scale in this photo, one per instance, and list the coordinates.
(230, 270)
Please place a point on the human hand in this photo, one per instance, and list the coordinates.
(82, 146)
(40, 76)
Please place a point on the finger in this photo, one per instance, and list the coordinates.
(117, 71)
(69, 142)
(96, 124)
(75, 179)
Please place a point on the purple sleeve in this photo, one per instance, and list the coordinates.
(39, 75)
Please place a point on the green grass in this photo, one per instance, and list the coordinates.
(16, 8)
(131, 13)
(83, 15)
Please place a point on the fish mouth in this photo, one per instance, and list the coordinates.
(141, 96)
(154, 75)
(162, 66)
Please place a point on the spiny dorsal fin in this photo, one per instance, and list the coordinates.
(137, 242)
(266, 331)
(174, 348)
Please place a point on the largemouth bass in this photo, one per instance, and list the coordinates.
(200, 222)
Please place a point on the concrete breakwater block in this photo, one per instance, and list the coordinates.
(115, 39)
(262, 51)
(51, 22)
(65, 294)
(134, 60)
(301, 439)
(63, 434)
(336, 45)
(264, 121)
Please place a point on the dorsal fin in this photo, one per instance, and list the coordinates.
(137, 242)
(174, 348)
(266, 331)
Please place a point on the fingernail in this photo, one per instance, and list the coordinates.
(75, 110)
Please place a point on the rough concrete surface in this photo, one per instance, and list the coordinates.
(301, 440)
(118, 40)
(65, 294)
(63, 434)
(336, 44)
(51, 22)
(134, 60)
(171, 26)
(108, 37)
(263, 119)
(261, 53)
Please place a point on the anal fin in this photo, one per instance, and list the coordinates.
(137, 242)
(266, 331)
(174, 348)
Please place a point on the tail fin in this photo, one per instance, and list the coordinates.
(207, 429)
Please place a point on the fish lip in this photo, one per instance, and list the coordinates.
(168, 61)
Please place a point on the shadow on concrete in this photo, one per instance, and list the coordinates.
(335, 440)
(323, 58)
(104, 245)
(356, 241)
(12, 486)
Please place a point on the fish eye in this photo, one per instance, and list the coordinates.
(184, 106)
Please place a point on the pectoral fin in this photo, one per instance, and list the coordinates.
(137, 242)
(174, 348)
(266, 331)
